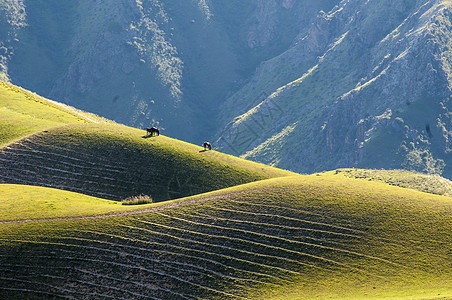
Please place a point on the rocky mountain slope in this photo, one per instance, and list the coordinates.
(165, 63)
(368, 85)
(302, 85)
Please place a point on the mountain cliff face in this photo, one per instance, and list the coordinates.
(12, 19)
(369, 85)
(166, 63)
(303, 85)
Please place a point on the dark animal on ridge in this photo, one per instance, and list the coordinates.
(207, 145)
(152, 130)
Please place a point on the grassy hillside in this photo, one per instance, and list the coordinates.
(49, 144)
(268, 235)
(26, 202)
(115, 162)
(23, 113)
(297, 237)
(433, 184)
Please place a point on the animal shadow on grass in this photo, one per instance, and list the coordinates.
(203, 150)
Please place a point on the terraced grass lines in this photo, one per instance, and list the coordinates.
(116, 162)
(300, 237)
(286, 237)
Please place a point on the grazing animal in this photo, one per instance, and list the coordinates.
(207, 145)
(152, 130)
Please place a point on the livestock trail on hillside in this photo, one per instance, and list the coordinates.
(305, 236)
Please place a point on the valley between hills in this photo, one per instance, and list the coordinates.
(219, 227)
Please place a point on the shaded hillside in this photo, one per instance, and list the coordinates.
(297, 237)
(368, 86)
(12, 20)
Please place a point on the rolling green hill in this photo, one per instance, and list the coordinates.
(115, 162)
(297, 237)
(433, 184)
(237, 229)
(72, 150)
(27, 202)
(23, 113)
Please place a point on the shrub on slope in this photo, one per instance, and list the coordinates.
(294, 237)
(115, 162)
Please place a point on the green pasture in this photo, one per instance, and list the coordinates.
(23, 113)
(24, 202)
(235, 229)
(433, 184)
(406, 228)
(299, 237)
(65, 143)
(119, 161)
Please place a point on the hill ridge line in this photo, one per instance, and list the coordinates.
(176, 203)
(76, 112)
(90, 117)
(36, 133)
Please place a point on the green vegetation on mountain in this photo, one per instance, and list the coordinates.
(12, 20)
(432, 184)
(25, 202)
(54, 145)
(302, 85)
(349, 93)
(23, 113)
(285, 238)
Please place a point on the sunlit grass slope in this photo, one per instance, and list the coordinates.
(299, 237)
(114, 162)
(433, 184)
(24, 202)
(23, 113)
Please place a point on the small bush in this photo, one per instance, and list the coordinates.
(137, 200)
